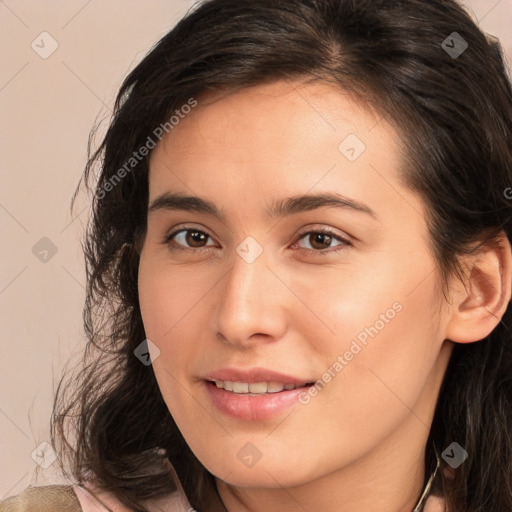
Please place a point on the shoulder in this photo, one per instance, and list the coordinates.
(44, 498)
(81, 498)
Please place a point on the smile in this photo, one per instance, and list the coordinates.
(253, 401)
(255, 388)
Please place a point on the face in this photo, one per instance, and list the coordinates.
(263, 293)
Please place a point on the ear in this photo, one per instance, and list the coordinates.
(479, 305)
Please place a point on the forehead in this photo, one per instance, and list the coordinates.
(294, 111)
(279, 139)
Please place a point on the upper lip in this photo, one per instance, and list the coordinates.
(254, 375)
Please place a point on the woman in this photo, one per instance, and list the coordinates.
(301, 228)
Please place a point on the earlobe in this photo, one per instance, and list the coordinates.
(479, 305)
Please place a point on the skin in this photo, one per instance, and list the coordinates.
(359, 443)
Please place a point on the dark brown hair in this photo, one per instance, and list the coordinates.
(454, 114)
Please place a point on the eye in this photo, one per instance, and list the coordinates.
(187, 239)
(195, 240)
(321, 239)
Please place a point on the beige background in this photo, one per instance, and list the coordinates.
(47, 108)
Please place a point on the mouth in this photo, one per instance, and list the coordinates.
(257, 388)
(254, 401)
(254, 393)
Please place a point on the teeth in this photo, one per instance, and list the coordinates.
(274, 387)
(240, 387)
(258, 387)
(254, 388)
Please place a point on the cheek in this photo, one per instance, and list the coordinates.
(366, 301)
(164, 304)
(383, 337)
(387, 350)
(169, 296)
(175, 305)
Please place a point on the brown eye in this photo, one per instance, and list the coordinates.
(320, 241)
(195, 238)
(188, 238)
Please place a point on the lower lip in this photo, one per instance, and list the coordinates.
(247, 407)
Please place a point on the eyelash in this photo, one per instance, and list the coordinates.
(325, 231)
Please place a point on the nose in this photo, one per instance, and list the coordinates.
(252, 303)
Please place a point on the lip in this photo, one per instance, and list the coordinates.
(254, 375)
(252, 408)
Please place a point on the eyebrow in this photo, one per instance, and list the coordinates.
(278, 208)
